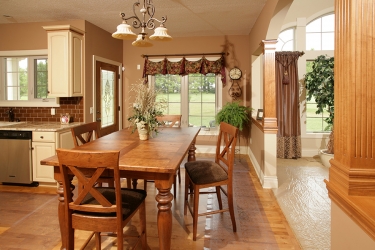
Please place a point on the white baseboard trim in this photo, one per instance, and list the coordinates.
(310, 152)
(265, 181)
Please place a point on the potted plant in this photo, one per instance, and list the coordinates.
(320, 85)
(145, 109)
(234, 114)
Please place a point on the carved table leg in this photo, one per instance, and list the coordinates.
(135, 183)
(164, 199)
(191, 153)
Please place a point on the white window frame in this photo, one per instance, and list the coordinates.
(32, 102)
(185, 98)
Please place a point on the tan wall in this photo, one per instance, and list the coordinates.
(29, 36)
(100, 43)
(236, 45)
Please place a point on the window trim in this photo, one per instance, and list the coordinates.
(30, 103)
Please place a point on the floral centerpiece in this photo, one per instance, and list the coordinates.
(145, 109)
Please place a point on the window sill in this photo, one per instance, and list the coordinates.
(51, 104)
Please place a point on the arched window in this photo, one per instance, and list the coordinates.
(285, 41)
(320, 33)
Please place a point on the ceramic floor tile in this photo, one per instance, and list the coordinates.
(303, 198)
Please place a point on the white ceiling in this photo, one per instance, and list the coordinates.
(185, 17)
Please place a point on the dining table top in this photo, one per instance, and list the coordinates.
(162, 153)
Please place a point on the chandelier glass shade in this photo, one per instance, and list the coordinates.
(125, 32)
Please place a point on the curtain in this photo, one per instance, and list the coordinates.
(185, 67)
(287, 104)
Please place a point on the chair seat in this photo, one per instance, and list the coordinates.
(131, 198)
(205, 172)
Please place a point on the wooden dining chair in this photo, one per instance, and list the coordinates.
(99, 209)
(85, 133)
(205, 174)
(171, 121)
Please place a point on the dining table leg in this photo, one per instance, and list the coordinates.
(191, 153)
(164, 219)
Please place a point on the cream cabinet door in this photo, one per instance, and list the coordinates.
(42, 150)
(65, 61)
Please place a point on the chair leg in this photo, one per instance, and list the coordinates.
(111, 183)
(218, 193)
(195, 212)
(231, 209)
(179, 175)
(98, 241)
(186, 196)
(128, 182)
(174, 188)
(145, 185)
(142, 219)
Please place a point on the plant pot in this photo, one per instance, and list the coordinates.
(325, 157)
(142, 131)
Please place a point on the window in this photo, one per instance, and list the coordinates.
(314, 122)
(24, 79)
(194, 96)
(285, 41)
(320, 33)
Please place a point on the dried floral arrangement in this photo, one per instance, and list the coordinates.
(145, 108)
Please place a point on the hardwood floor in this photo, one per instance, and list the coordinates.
(28, 219)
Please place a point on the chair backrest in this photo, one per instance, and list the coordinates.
(95, 162)
(84, 133)
(226, 147)
(170, 120)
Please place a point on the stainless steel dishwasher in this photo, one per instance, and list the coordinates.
(15, 157)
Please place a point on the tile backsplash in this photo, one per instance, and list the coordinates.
(71, 105)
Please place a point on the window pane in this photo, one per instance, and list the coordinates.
(285, 41)
(313, 41)
(314, 26)
(202, 99)
(41, 78)
(16, 79)
(286, 35)
(328, 23)
(288, 46)
(314, 122)
(328, 41)
(107, 90)
(169, 90)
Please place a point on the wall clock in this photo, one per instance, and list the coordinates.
(235, 73)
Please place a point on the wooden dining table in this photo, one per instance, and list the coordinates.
(157, 158)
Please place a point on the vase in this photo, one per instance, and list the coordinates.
(142, 131)
(325, 157)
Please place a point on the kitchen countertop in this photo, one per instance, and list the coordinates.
(37, 126)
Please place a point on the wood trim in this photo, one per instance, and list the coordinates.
(351, 183)
(359, 208)
(269, 121)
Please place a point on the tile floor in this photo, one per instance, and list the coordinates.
(303, 198)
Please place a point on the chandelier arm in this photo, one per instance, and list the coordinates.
(136, 23)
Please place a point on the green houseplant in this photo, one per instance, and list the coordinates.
(145, 109)
(234, 114)
(320, 85)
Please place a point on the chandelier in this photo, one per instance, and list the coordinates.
(141, 40)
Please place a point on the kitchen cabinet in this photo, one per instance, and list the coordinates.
(44, 145)
(65, 61)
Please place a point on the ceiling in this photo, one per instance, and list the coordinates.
(185, 18)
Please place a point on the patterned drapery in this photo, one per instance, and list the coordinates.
(287, 102)
(185, 67)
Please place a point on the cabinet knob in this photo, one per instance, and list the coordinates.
(41, 137)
